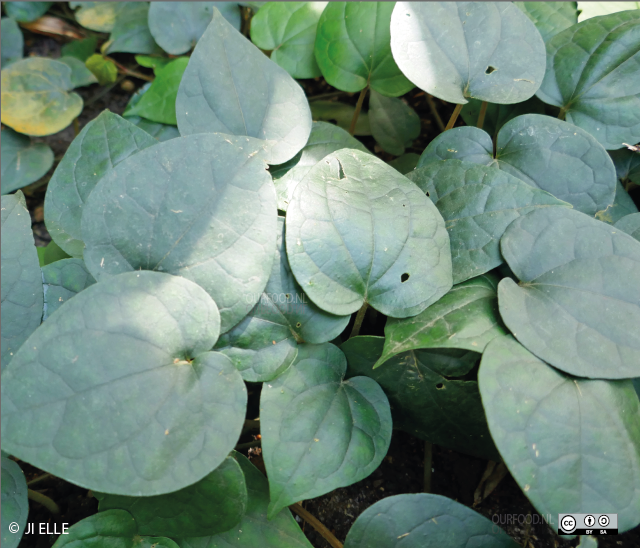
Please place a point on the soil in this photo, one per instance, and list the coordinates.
(454, 475)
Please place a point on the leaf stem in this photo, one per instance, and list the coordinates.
(356, 113)
(428, 462)
(561, 114)
(76, 127)
(359, 319)
(38, 479)
(317, 525)
(483, 113)
(44, 500)
(130, 72)
(454, 117)
(329, 95)
(434, 111)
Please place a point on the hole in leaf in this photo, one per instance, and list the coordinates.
(440, 386)
(404, 277)
(342, 175)
(427, 193)
(298, 324)
(490, 69)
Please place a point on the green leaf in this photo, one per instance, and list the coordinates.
(80, 49)
(550, 18)
(577, 305)
(154, 413)
(158, 103)
(61, 281)
(568, 442)
(353, 48)
(202, 207)
(497, 116)
(424, 521)
(80, 75)
(26, 12)
(359, 232)
(214, 504)
(22, 297)
(477, 203)
(394, 124)
(593, 9)
(231, 87)
(627, 165)
(320, 432)
(152, 62)
(466, 318)
(341, 114)
(99, 16)
(405, 163)
(177, 26)
(162, 132)
(113, 529)
(15, 506)
(153, 542)
(288, 30)
(35, 99)
(424, 400)
(255, 529)
(102, 144)
(459, 50)
(131, 32)
(324, 139)
(542, 151)
(52, 253)
(264, 344)
(12, 42)
(105, 70)
(630, 224)
(592, 75)
(622, 205)
(23, 162)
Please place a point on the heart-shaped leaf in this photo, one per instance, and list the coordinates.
(359, 232)
(477, 203)
(22, 297)
(23, 162)
(177, 26)
(224, 240)
(231, 87)
(550, 18)
(341, 114)
(102, 144)
(15, 506)
(288, 30)
(567, 442)
(394, 124)
(99, 16)
(424, 521)
(324, 139)
(35, 99)
(320, 432)
(466, 318)
(214, 504)
(174, 410)
(12, 42)
(424, 400)
(62, 280)
(577, 305)
(255, 529)
(630, 224)
(592, 75)
(353, 48)
(25, 12)
(130, 31)
(497, 116)
(460, 50)
(544, 152)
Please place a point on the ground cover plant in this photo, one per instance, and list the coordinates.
(249, 290)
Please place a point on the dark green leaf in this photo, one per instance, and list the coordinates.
(201, 206)
(405, 163)
(52, 253)
(22, 297)
(340, 114)
(153, 62)
(622, 205)
(25, 12)
(61, 281)
(458, 50)
(577, 305)
(359, 232)
(80, 75)
(12, 42)
(567, 442)
(630, 224)
(497, 116)
(131, 32)
(23, 162)
(100, 16)
(102, 144)
(394, 124)
(627, 165)
(162, 132)
(550, 18)
(154, 413)
(15, 506)
(112, 529)
(105, 70)
(80, 49)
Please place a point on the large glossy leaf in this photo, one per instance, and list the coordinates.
(35, 98)
(288, 30)
(394, 124)
(264, 344)
(21, 280)
(320, 432)
(174, 410)
(231, 87)
(497, 116)
(177, 26)
(15, 506)
(567, 442)
(545, 152)
(12, 41)
(214, 504)
(424, 521)
(100, 16)
(25, 12)
(324, 139)
(23, 162)
(466, 318)
(477, 203)
(359, 232)
(130, 32)
(62, 280)
(424, 400)
(630, 224)
(102, 144)
(577, 305)
(550, 18)
(340, 114)
(201, 206)
(458, 50)
(592, 75)
(255, 529)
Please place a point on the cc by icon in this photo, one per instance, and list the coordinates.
(568, 523)
(589, 521)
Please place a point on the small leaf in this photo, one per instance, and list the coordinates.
(52, 253)
(80, 75)
(12, 41)
(405, 163)
(15, 506)
(80, 49)
(152, 62)
(497, 116)
(104, 69)
(23, 161)
(630, 224)
(567, 442)
(341, 114)
(99, 16)
(320, 432)
(131, 32)
(25, 12)
(394, 124)
(61, 281)
(627, 165)
(550, 18)
(162, 132)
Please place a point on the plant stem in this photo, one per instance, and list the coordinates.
(561, 114)
(317, 525)
(44, 500)
(454, 117)
(483, 113)
(329, 95)
(434, 111)
(38, 479)
(359, 318)
(248, 445)
(428, 462)
(130, 72)
(356, 113)
(76, 127)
